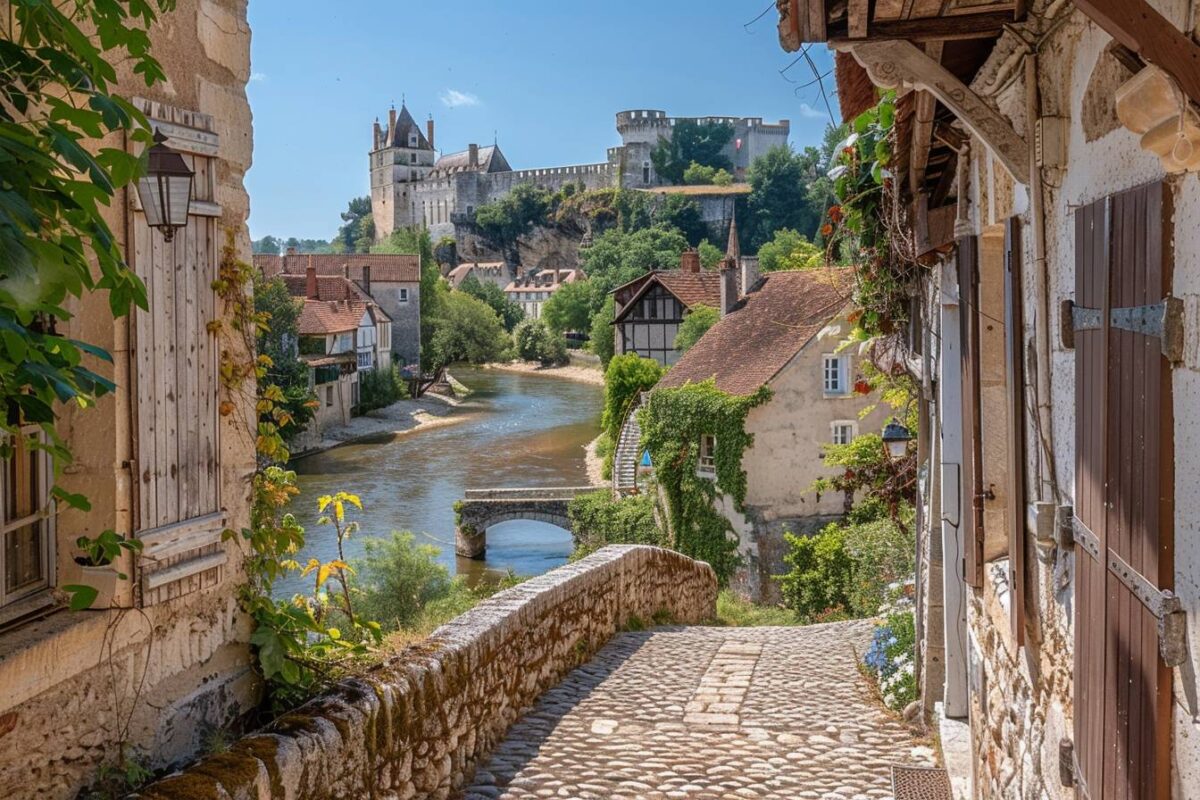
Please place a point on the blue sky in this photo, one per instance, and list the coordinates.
(544, 76)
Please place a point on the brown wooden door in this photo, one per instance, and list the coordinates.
(1123, 496)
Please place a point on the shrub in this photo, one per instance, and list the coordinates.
(534, 341)
(379, 388)
(890, 657)
(599, 520)
(736, 612)
(396, 579)
(821, 572)
(601, 340)
(626, 377)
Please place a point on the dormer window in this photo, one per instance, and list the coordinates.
(412, 140)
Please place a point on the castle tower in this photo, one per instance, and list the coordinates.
(401, 157)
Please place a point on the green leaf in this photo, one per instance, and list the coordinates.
(82, 596)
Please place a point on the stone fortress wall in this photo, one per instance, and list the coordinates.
(419, 724)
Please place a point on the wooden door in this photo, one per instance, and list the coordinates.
(1124, 483)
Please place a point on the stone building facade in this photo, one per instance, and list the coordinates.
(409, 186)
(169, 662)
(1051, 175)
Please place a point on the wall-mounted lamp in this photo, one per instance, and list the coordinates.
(896, 438)
(166, 189)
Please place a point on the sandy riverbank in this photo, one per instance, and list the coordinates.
(595, 464)
(403, 417)
(573, 372)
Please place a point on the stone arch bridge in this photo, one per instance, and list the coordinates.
(480, 509)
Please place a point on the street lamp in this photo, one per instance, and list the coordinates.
(896, 438)
(166, 188)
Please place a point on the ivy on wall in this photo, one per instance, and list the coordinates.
(672, 423)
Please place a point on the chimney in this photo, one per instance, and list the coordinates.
(429, 131)
(310, 281)
(750, 274)
(291, 251)
(689, 261)
(729, 288)
(473, 155)
(366, 280)
(391, 131)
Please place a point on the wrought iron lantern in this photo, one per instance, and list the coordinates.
(166, 189)
(896, 438)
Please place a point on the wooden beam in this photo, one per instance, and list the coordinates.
(1135, 24)
(816, 20)
(858, 18)
(922, 136)
(945, 29)
(897, 64)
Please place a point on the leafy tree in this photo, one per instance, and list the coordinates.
(690, 142)
(695, 325)
(534, 341)
(601, 339)
(508, 310)
(682, 213)
(626, 377)
(702, 175)
(570, 308)
(57, 103)
(357, 233)
(789, 250)
(306, 245)
(397, 578)
(502, 222)
(779, 194)
(616, 257)
(446, 251)
(268, 245)
(710, 254)
(467, 329)
(277, 341)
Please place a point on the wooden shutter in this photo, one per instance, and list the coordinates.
(175, 365)
(1014, 372)
(1124, 485)
(972, 468)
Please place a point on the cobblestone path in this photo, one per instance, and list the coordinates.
(707, 713)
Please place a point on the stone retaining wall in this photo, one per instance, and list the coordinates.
(417, 725)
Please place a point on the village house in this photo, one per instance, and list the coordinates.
(493, 272)
(533, 290)
(166, 458)
(1044, 176)
(783, 332)
(390, 282)
(650, 308)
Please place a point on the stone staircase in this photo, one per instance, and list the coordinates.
(628, 452)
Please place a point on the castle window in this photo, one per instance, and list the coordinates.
(412, 158)
(646, 172)
(412, 140)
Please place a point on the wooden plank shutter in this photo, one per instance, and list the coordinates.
(1014, 370)
(1124, 501)
(175, 363)
(972, 468)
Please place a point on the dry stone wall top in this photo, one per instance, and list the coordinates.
(417, 725)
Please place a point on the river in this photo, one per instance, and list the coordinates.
(513, 430)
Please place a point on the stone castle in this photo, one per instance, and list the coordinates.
(411, 185)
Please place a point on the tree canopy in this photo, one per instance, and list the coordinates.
(467, 329)
(691, 142)
(700, 175)
(357, 233)
(616, 257)
(695, 325)
(277, 341)
(507, 310)
(570, 308)
(501, 222)
(789, 250)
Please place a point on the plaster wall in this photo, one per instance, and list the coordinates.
(406, 318)
(76, 684)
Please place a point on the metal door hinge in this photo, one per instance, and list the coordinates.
(1161, 320)
(1162, 603)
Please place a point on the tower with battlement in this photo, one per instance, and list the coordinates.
(402, 156)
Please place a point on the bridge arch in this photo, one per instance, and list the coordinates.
(480, 509)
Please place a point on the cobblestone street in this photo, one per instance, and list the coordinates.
(708, 713)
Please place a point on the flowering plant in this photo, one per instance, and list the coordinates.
(890, 658)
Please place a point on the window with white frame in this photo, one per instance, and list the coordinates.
(404, 295)
(844, 431)
(706, 465)
(836, 371)
(26, 522)
(366, 359)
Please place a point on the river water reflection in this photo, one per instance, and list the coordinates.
(514, 430)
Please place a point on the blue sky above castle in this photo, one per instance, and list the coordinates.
(544, 76)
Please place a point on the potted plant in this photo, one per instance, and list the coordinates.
(99, 574)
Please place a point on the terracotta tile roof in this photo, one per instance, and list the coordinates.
(321, 317)
(692, 288)
(482, 271)
(389, 268)
(749, 346)
(545, 279)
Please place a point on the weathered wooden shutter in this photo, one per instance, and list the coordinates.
(972, 468)
(1014, 372)
(1127, 624)
(175, 365)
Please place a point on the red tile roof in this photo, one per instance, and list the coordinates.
(322, 317)
(750, 345)
(387, 268)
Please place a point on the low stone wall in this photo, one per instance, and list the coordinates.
(417, 725)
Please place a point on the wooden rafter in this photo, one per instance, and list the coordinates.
(894, 64)
(922, 127)
(982, 25)
(1135, 24)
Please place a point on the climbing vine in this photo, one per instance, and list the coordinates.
(672, 423)
(866, 225)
